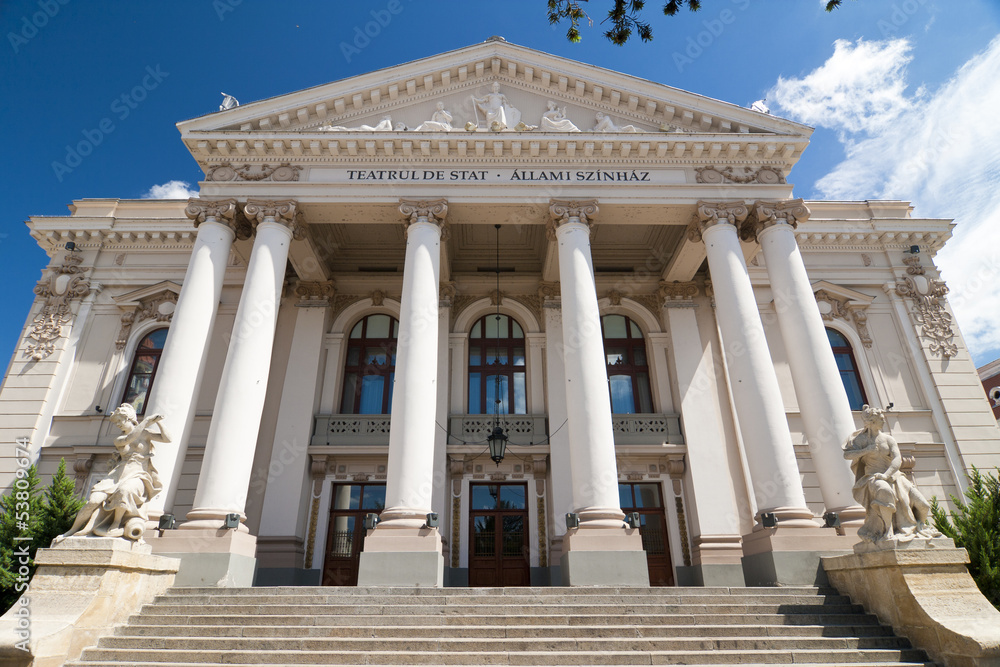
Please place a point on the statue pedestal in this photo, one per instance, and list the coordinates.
(82, 589)
(923, 589)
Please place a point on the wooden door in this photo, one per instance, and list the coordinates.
(345, 536)
(646, 498)
(498, 535)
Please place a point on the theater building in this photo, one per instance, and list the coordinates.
(380, 273)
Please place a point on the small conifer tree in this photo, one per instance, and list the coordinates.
(975, 525)
(60, 505)
(20, 517)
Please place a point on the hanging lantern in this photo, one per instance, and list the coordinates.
(497, 440)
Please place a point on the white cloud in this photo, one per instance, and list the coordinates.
(940, 150)
(171, 190)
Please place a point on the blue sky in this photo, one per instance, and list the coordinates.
(903, 95)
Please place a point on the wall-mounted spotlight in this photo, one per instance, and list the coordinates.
(768, 519)
(232, 521)
(572, 520)
(832, 520)
(632, 519)
(70, 246)
(167, 522)
(914, 249)
(371, 520)
(432, 520)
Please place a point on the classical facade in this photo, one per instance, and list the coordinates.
(382, 272)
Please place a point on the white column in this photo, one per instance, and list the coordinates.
(769, 450)
(715, 511)
(555, 376)
(440, 500)
(400, 551)
(286, 496)
(826, 410)
(182, 362)
(588, 404)
(228, 460)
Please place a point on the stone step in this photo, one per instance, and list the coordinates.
(439, 620)
(514, 592)
(500, 632)
(508, 645)
(235, 655)
(502, 608)
(223, 598)
(540, 664)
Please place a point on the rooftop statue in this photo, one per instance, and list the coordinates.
(894, 508)
(499, 113)
(117, 504)
(554, 120)
(440, 121)
(605, 124)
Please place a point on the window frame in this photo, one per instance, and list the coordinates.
(848, 349)
(138, 352)
(509, 344)
(629, 368)
(363, 344)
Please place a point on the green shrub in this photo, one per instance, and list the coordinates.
(975, 525)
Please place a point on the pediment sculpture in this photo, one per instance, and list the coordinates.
(895, 510)
(440, 121)
(498, 112)
(384, 125)
(606, 124)
(555, 120)
(117, 504)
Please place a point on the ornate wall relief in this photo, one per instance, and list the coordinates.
(927, 296)
(156, 305)
(837, 302)
(253, 172)
(58, 286)
(765, 175)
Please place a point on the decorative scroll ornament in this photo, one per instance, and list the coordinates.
(927, 295)
(254, 172)
(159, 307)
(62, 284)
(650, 302)
(765, 175)
(562, 211)
(709, 214)
(615, 297)
(427, 210)
(446, 295)
(314, 293)
(838, 307)
(549, 294)
(284, 212)
(767, 214)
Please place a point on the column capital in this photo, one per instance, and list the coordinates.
(426, 210)
(677, 294)
(314, 294)
(766, 214)
(710, 214)
(562, 211)
(222, 211)
(549, 294)
(284, 212)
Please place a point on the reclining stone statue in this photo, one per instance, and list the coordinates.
(894, 508)
(117, 504)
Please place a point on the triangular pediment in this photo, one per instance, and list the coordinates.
(846, 295)
(143, 295)
(410, 93)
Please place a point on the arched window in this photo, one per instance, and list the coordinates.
(370, 367)
(628, 372)
(143, 370)
(848, 367)
(496, 359)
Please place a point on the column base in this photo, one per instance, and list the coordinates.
(402, 557)
(923, 589)
(82, 589)
(790, 555)
(216, 558)
(603, 557)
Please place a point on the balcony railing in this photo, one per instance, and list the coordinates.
(638, 429)
(647, 429)
(351, 430)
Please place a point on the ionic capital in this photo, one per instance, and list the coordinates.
(710, 214)
(562, 211)
(314, 294)
(677, 293)
(766, 214)
(549, 294)
(200, 210)
(284, 212)
(423, 210)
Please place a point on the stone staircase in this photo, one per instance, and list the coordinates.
(501, 626)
